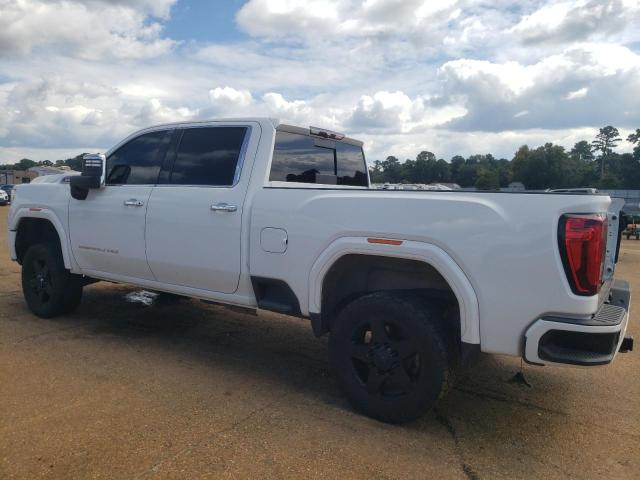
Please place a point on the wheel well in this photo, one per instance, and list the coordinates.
(32, 231)
(355, 275)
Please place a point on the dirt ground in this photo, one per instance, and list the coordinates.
(182, 389)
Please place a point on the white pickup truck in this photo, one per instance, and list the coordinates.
(254, 213)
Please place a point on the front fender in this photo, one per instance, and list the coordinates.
(46, 214)
(410, 250)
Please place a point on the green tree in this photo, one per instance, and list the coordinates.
(548, 166)
(488, 180)
(25, 164)
(376, 172)
(75, 163)
(610, 181)
(582, 151)
(634, 138)
(607, 139)
(467, 175)
(456, 163)
(392, 170)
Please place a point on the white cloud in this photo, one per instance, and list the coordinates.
(326, 19)
(601, 80)
(296, 111)
(581, 92)
(157, 8)
(154, 112)
(280, 18)
(578, 20)
(451, 76)
(396, 112)
(57, 112)
(228, 98)
(89, 29)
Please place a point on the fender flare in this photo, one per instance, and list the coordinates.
(410, 250)
(45, 214)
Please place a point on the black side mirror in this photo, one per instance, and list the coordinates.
(93, 167)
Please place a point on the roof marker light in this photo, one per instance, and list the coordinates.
(321, 132)
(384, 241)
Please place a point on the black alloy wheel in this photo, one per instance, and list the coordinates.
(48, 288)
(40, 282)
(384, 357)
(390, 359)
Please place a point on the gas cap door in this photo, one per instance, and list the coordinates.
(274, 240)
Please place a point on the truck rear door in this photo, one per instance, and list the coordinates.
(194, 217)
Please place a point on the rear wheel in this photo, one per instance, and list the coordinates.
(49, 289)
(390, 359)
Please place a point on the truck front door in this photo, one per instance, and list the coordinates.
(107, 228)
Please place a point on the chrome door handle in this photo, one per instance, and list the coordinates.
(132, 202)
(223, 207)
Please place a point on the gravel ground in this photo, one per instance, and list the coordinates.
(132, 386)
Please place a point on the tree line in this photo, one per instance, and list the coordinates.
(587, 164)
(74, 163)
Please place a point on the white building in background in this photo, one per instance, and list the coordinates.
(42, 170)
(15, 177)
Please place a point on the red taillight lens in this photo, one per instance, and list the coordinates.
(583, 244)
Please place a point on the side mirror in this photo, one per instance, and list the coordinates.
(93, 173)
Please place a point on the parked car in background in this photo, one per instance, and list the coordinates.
(8, 189)
(4, 198)
(633, 227)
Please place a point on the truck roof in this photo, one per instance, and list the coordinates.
(274, 121)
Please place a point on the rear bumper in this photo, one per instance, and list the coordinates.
(584, 342)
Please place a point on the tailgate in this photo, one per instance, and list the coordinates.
(615, 227)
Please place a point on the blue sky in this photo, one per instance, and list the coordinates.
(204, 21)
(448, 76)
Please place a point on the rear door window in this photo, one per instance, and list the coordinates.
(208, 156)
(351, 167)
(305, 159)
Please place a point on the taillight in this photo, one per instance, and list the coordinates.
(583, 245)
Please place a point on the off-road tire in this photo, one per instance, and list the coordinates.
(48, 288)
(390, 355)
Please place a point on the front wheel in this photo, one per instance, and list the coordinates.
(49, 289)
(390, 359)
